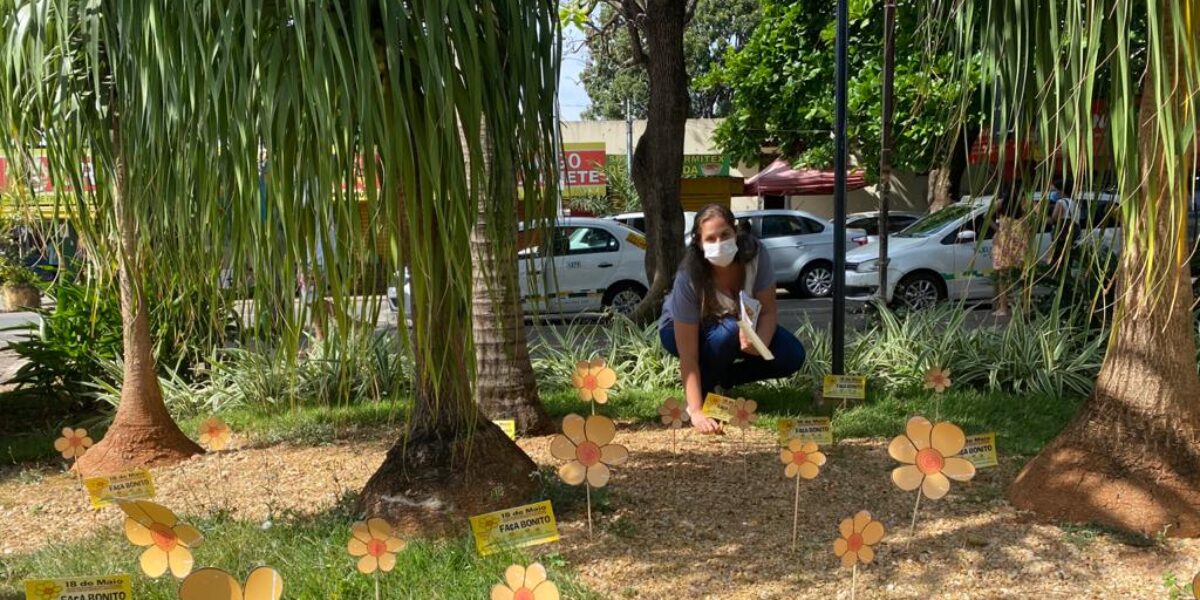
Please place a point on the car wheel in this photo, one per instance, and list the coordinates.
(919, 291)
(816, 280)
(622, 298)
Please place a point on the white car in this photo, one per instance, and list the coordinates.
(801, 248)
(598, 264)
(947, 254)
(637, 221)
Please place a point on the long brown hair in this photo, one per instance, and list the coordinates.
(698, 268)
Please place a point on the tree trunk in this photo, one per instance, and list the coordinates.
(1130, 458)
(658, 159)
(939, 189)
(142, 432)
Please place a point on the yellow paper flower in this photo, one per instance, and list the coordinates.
(214, 433)
(73, 443)
(1196, 586)
(47, 590)
(937, 379)
(167, 541)
(586, 445)
(801, 458)
(743, 413)
(214, 584)
(593, 380)
(525, 584)
(673, 414)
(374, 542)
(858, 536)
(929, 453)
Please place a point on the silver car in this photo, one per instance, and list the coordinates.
(801, 248)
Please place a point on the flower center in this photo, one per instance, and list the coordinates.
(676, 413)
(163, 537)
(743, 415)
(589, 382)
(376, 547)
(523, 594)
(588, 453)
(854, 542)
(930, 461)
(76, 442)
(799, 458)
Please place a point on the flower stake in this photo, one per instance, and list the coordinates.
(214, 434)
(264, 583)
(743, 416)
(858, 535)
(938, 380)
(593, 380)
(168, 542)
(373, 542)
(73, 444)
(929, 453)
(673, 416)
(521, 583)
(803, 459)
(586, 444)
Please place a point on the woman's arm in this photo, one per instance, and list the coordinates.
(768, 318)
(687, 341)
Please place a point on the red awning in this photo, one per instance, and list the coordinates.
(780, 179)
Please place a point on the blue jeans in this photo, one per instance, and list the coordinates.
(723, 363)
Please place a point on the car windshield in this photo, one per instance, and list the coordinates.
(933, 223)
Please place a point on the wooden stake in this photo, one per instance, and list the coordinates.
(854, 580)
(913, 531)
(377, 596)
(796, 514)
(589, 507)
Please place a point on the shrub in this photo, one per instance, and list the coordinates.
(633, 351)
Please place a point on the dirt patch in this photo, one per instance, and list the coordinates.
(712, 522)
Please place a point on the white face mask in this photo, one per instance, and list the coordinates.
(721, 253)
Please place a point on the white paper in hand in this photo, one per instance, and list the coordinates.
(748, 323)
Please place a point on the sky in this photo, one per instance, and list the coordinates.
(572, 99)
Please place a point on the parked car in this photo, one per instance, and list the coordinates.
(598, 264)
(801, 248)
(637, 221)
(869, 222)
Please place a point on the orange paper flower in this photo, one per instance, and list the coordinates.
(929, 453)
(858, 536)
(586, 445)
(802, 458)
(214, 584)
(673, 414)
(937, 379)
(214, 433)
(374, 542)
(73, 443)
(593, 380)
(743, 413)
(525, 584)
(167, 541)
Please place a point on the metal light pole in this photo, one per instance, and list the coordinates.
(839, 194)
(885, 146)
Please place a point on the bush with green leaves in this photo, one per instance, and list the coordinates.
(634, 351)
(16, 274)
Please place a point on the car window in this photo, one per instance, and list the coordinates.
(812, 226)
(867, 224)
(774, 226)
(585, 240)
(983, 225)
(933, 223)
(898, 224)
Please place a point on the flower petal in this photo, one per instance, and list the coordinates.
(360, 532)
(664, 411)
(816, 458)
(577, 380)
(959, 469)
(210, 584)
(948, 439)
(861, 520)
(866, 554)
(501, 592)
(872, 533)
(907, 477)
(153, 562)
(545, 591)
(356, 547)
(598, 475)
(809, 447)
(596, 365)
(583, 367)
(840, 546)
(902, 450)
(795, 445)
(534, 574)
(585, 394)
(387, 561)
(573, 428)
(514, 576)
(918, 429)
(606, 378)
(846, 528)
(137, 534)
(147, 513)
(935, 486)
(791, 469)
(562, 448)
(264, 583)
(750, 406)
(808, 470)
(849, 558)
(188, 536)
(87, 442)
(181, 561)
(572, 473)
(600, 429)
(379, 528)
(61, 444)
(785, 455)
(68, 433)
(368, 564)
(600, 396)
(614, 454)
(395, 544)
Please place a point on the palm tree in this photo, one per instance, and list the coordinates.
(1130, 458)
(389, 97)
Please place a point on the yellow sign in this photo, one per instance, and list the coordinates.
(817, 430)
(848, 387)
(718, 407)
(981, 450)
(508, 426)
(518, 527)
(131, 485)
(111, 587)
(636, 240)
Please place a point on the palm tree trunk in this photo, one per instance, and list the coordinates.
(142, 432)
(1130, 458)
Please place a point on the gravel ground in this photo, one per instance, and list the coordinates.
(713, 521)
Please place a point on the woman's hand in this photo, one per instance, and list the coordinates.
(703, 424)
(747, 347)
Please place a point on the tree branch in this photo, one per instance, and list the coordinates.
(632, 12)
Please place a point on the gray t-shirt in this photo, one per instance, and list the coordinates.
(683, 303)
